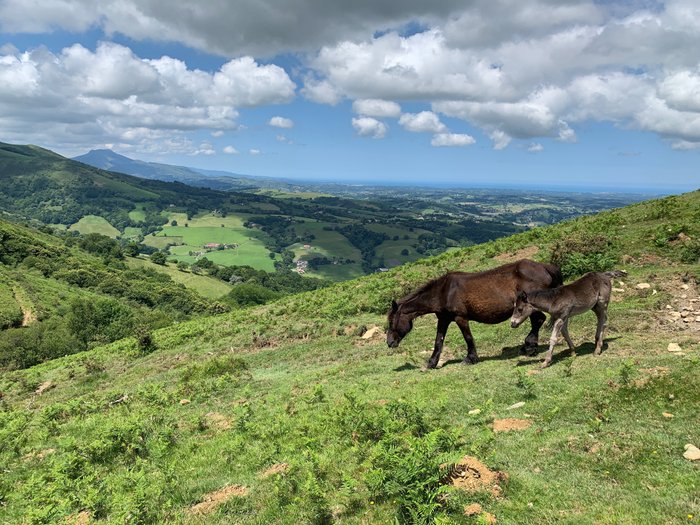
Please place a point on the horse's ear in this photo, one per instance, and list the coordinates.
(522, 296)
(394, 306)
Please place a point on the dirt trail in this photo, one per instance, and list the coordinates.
(28, 314)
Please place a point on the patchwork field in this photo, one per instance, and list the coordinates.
(243, 245)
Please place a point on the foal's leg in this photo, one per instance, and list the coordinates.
(442, 325)
(471, 357)
(536, 320)
(601, 311)
(565, 333)
(553, 341)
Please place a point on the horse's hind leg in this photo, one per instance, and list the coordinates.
(601, 311)
(536, 320)
(443, 324)
(471, 357)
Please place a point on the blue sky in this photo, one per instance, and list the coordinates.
(560, 94)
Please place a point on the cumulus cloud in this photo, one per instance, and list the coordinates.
(535, 147)
(423, 122)
(452, 139)
(254, 151)
(230, 150)
(376, 108)
(112, 95)
(281, 122)
(370, 127)
(515, 70)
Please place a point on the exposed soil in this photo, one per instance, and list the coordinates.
(508, 424)
(473, 509)
(28, 315)
(682, 313)
(212, 500)
(472, 475)
(217, 421)
(43, 387)
(524, 253)
(82, 518)
(277, 468)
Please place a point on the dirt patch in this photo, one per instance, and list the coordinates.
(43, 387)
(81, 518)
(277, 468)
(38, 455)
(524, 253)
(217, 421)
(214, 499)
(473, 509)
(508, 424)
(373, 332)
(472, 475)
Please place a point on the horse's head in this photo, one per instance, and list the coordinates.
(521, 310)
(400, 324)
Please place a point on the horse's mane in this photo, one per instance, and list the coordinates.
(420, 291)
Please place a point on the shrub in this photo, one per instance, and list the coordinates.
(584, 252)
(25, 347)
(10, 312)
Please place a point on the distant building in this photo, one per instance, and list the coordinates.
(212, 245)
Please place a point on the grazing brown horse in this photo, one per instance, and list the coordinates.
(590, 292)
(485, 297)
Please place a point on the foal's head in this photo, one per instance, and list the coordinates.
(521, 310)
(399, 325)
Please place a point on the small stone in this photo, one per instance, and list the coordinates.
(669, 307)
(654, 292)
(674, 347)
(684, 286)
(474, 412)
(516, 405)
(184, 401)
(369, 334)
(667, 415)
(537, 470)
(692, 453)
(697, 319)
(675, 315)
(684, 296)
(643, 286)
(618, 290)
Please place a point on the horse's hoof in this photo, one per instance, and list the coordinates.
(544, 365)
(470, 360)
(431, 365)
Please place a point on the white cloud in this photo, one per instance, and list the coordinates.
(217, 133)
(230, 150)
(281, 122)
(376, 108)
(370, 127)
(254, 152)
(452, 139)
(535, 147)
(321, 91)
(204, 149)
(423, 122)
(111, 95)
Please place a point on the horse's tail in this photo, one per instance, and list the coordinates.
(615, 273)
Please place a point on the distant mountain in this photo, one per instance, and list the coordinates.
(40, 184)
(221, 180)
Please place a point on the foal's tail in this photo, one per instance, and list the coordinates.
(615, 273)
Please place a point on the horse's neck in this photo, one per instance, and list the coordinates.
(419, 305)
(541, 301)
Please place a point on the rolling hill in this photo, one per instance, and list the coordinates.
(295, 412)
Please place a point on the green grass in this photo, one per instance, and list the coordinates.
(364, 431)
(208, 287)
(95, 224)
(138, 214)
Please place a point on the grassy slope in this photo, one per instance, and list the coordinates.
(204, 285)
(283, 383)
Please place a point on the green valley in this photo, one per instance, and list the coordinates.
(297, 412)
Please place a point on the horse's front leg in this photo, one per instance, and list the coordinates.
(471, 358)
(443, 324)
(537, 319)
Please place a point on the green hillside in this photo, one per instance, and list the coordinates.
(285, 414)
